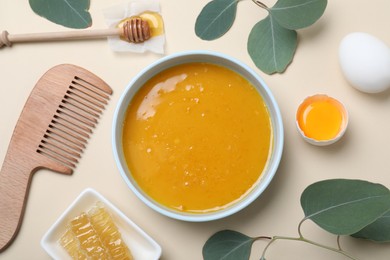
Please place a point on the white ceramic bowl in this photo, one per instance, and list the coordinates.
(210, 57)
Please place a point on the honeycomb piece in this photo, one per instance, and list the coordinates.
(71, 245)
(108, 233)
(88, 239)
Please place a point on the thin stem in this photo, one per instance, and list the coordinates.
(266, 247)
(338, 242)
(299, 228)
(338, 249)
(263, 237)
(260, 4)
(302, 239)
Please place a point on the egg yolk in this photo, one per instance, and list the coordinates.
(321, 118)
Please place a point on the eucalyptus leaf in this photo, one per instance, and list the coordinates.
(297, 14)
(215, 19)
(378, 231)
(228, 245)
(344, 207)
(69, 13)
(271, 46)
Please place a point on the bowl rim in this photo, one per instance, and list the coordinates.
(264, 92)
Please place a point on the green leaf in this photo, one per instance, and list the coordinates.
(297, 14)
(69, 13)
(228, 245)
(271, 46)
(215, 19)
(344, 207)
(378, 231)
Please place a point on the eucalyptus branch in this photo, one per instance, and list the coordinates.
(223, 243)
(260, 4)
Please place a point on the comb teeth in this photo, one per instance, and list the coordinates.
(70, 127)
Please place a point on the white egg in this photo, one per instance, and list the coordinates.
(365, 61)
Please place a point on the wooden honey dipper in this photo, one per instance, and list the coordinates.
(133, 29)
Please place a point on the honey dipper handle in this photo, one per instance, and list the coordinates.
(7, 39)
(15, 181)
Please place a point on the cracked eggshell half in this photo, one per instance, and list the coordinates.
(321, 120)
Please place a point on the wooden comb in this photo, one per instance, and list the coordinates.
(51, 133)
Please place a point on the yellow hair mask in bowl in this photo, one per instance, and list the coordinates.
(196, 139)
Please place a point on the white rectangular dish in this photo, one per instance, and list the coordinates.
(141, 245)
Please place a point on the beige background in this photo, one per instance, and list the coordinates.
(363, 152)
